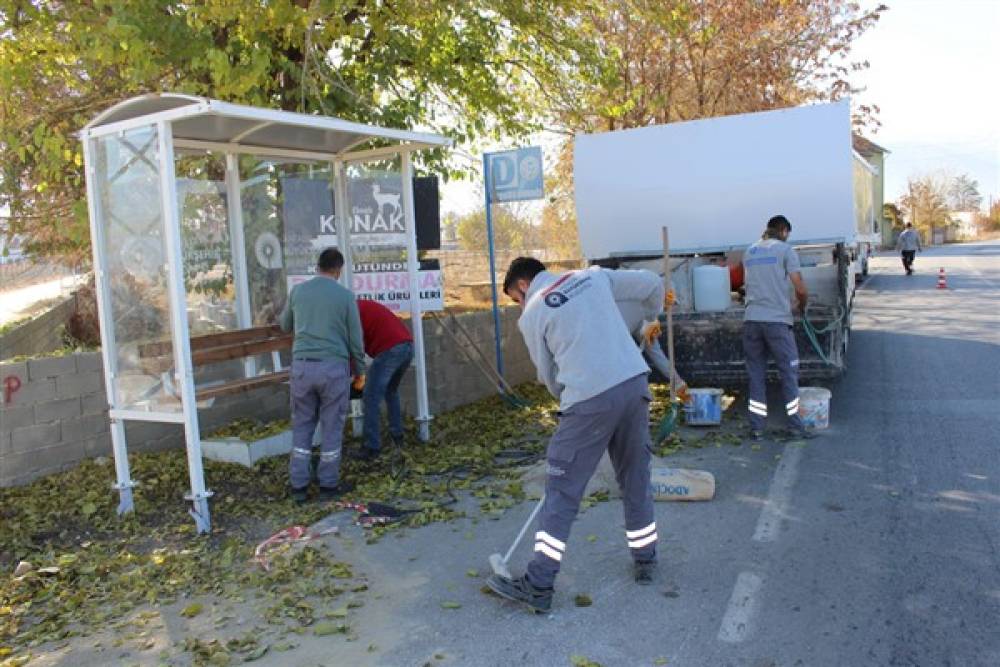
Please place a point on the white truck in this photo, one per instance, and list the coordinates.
(714, 183)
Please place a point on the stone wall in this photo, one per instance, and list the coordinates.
(38, 335)
(54, 410)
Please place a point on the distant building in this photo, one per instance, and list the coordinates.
(964, 223)
(875, 156)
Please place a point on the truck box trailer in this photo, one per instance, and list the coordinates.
(714, 183)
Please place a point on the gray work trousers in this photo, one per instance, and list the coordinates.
(776, 339)
(319, 391)
(616, 420)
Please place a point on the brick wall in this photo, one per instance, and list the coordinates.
(58, 415)
(39, 335)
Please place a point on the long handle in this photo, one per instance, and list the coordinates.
(472, 343)
(485, 368)
(524, 528)
(670, 315)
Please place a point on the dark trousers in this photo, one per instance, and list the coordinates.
(776, 339)
(908, 256)
(616, 420)
(384, 376)
(320, 391)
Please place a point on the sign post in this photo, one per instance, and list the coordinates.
(514, 175)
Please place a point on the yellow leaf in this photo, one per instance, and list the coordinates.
(192, 610)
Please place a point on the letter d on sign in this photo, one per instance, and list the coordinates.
(503, 171)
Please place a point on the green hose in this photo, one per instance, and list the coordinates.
(812, 333)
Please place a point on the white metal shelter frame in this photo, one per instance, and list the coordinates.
(132, 186)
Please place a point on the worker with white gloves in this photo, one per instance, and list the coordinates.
(587, 359)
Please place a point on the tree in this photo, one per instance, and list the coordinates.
(674, 60)
(511, 229)
(892, 213)
(471, 70)
(963, 194)
(926, 202)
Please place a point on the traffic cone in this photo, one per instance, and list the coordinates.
(942, 283)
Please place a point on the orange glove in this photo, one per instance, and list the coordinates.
(359, 383)
(651, 332)
(682, 393)
(669, 299)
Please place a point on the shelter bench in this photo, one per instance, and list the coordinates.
(157, 358)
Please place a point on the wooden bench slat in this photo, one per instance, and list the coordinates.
(238, 386)
(235, 351)
(161, 348)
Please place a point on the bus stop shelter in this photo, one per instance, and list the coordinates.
(196, 224)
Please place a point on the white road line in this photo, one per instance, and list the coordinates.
(741, 609)
(777, 498)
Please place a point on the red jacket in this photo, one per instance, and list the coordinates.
(382, 329)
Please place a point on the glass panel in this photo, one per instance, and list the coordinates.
(288, 210)
(207, 253)
(134, 256)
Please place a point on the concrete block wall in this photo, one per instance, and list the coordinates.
(54, 413)
(39, 335)
(452, 378)
(58, 414)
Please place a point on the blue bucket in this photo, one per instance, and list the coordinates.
(703, 407)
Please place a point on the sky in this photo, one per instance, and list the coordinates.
(935, 75)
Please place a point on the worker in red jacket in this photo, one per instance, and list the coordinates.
(389, 343)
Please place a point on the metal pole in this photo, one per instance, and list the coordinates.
(342, 218)
(119, 445)
(493, 276)
(179, 329)
(238, 250)
(416, 313)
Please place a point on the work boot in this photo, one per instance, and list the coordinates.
(328, 493)
(301, 495)
(519, 589)
(644, 571)
(756, 435)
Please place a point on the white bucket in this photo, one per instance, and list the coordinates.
(814, 407)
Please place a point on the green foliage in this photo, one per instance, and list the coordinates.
(472, 70)
(106, 568)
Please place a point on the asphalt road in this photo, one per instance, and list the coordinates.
(877, 544)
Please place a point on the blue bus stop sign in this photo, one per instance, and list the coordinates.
(515, 175)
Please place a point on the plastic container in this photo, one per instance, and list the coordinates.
(814, 407)
(703, 407)
(711, 289)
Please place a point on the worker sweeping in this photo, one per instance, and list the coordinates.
(585, 356)
(769, 265)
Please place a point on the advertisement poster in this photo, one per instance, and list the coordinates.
(389, 284)
(377, 227)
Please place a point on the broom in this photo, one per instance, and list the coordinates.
(669, 420)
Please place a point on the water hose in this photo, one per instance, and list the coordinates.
(812, 333)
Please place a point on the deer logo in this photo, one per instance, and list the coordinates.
(386, 199)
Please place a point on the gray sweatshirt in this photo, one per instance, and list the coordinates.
(575, 335)
(908, 240)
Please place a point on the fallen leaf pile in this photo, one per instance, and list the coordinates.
(86, 570)
(89, 570)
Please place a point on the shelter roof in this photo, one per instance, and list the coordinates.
(200, 119)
